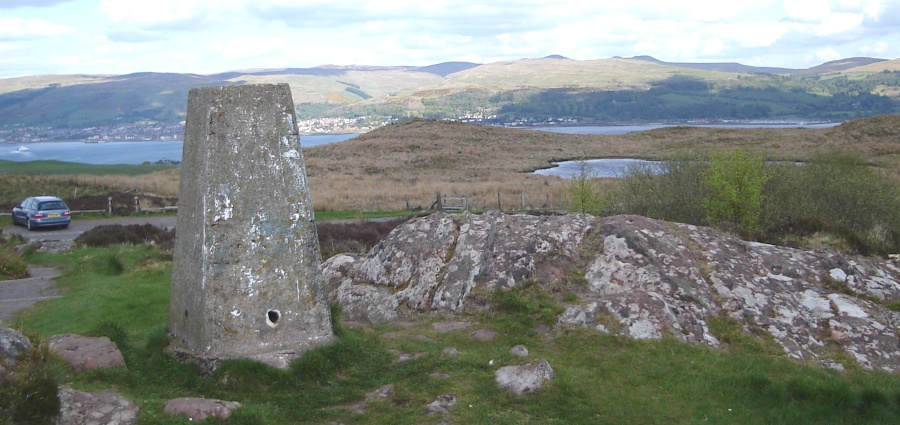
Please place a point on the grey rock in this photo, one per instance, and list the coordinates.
(383, 392)
(441, 405)
(644, 279)
(447, 327)
(84, 353)
(450, 351)
(12, 342)
(519, 350)
(47, 245)
(439, 375)
(106, 408)
(520, 379)
(198, 409)
(484, 335)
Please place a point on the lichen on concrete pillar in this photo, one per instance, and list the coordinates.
(246, 279)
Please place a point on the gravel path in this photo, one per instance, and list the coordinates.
(20, 294)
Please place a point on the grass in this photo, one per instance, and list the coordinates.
(122, 291)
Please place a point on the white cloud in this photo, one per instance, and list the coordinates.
(12, 29)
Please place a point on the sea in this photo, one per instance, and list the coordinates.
(170, 151)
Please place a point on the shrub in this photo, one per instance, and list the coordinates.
(132, 234)
(355, 237)
(584, 191)
(735, 180)
(12, 265)
(673, 191)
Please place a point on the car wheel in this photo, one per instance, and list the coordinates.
(28, 224)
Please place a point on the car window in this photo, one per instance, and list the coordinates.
(52, 205)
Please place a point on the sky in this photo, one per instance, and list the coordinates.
(39, 37)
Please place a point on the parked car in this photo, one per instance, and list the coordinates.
(42, 211)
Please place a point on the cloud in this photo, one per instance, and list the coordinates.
(13, 4)
(17, 29)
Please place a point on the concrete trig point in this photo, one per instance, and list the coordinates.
(247, 276)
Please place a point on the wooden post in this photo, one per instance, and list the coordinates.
(499, 206)
(439, 205)
(109, 205)
(523, 200)
(137, 205)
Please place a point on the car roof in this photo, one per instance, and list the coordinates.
(46, 198)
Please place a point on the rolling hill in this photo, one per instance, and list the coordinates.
(550, 87)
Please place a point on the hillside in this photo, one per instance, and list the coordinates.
(411, 161)
(639, 89)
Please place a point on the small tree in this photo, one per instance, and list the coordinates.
(735, 180)
(587, 197)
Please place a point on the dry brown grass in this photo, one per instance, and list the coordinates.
(413, 160)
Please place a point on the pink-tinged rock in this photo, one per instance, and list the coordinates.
(635, 277)
(198, 409)
(84, 353)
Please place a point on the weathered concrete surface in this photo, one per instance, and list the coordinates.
(85, 353)
(247, 280)
(19, 294)
(634, 276)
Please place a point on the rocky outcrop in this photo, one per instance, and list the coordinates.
(634, 276)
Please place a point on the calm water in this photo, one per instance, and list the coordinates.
(140, 152)
(122, 152)
(598, 168)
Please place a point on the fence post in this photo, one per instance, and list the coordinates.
(523, 200)
(137, 205)
(499, 206)
(440, 205)
(109, 205)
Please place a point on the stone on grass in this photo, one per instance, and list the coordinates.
(12, 342)
(524, 378)
(84, 353)
(451, 351)
(519, 350)
(106, 408)
(198, 409)
(484, 335)
(441, 405)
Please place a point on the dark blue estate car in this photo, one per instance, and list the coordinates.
(42, 211)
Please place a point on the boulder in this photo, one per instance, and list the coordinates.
(106, 408)
(198, 409)
(11, 344)
(520, 379)
(84, 353)
(634, 276)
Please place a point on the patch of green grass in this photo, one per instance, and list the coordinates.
(600, 379)
(74, 168)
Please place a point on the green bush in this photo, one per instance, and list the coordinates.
(833, 200)
(12, 265)
(735, 180)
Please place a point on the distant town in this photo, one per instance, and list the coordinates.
(144, 131)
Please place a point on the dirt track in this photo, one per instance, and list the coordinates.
(80, 225)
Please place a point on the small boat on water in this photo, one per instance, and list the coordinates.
(22, 148)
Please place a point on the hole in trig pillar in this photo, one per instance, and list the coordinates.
(272, 317)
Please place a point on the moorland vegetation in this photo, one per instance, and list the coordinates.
(844, 197)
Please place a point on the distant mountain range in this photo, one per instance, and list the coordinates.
(553, 87)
